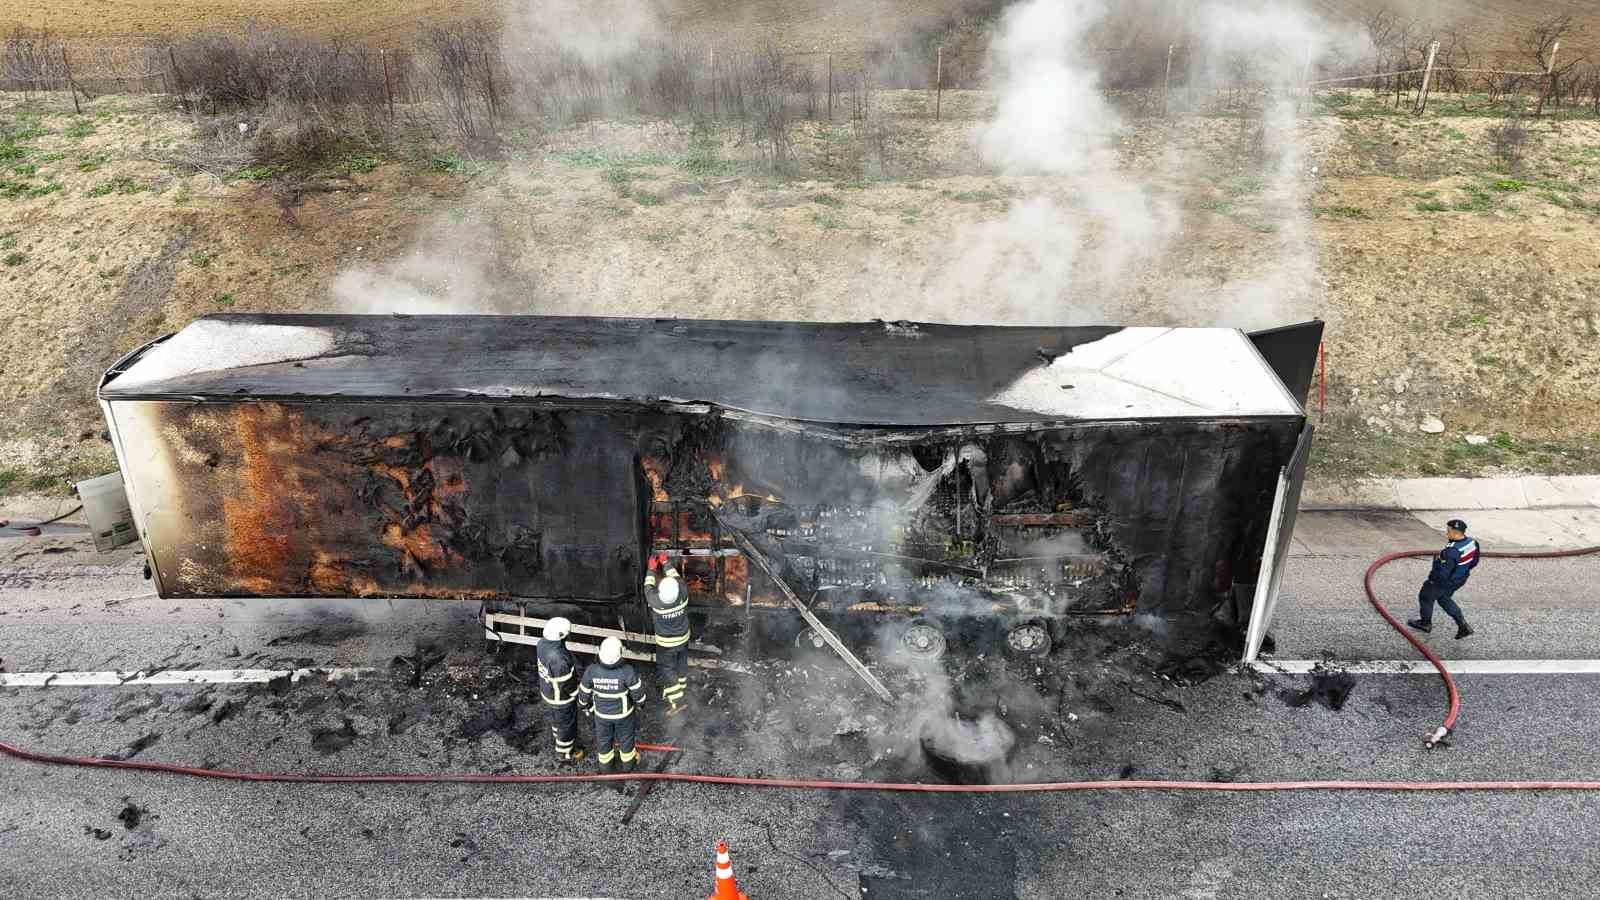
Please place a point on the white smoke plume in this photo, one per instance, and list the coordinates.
(1045, 261)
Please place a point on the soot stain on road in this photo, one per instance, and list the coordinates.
(1330, 690)
(328, 741)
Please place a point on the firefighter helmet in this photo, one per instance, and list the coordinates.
(611, 651)
(557, 629)
(669, 590)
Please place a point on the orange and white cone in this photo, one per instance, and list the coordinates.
(727, 888)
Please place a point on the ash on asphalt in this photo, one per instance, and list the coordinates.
(1330, 689)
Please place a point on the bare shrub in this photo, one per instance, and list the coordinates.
(461, 72)
(1510, 139)
(771, 77)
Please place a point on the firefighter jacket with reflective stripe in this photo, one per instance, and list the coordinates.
(611, 691)
(557, 672)
(1454, 563)
(672, 621)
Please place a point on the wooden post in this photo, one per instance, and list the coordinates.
(830, 87)
(1550, 79)
(70, 86)
(938, 85)
(388, 85)
(488, 77)
(712, 66)
(1427, 77)
(1166, 83)
(177, 74)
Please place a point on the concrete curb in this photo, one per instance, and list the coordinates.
(1521, 492)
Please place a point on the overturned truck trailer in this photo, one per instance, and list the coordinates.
(980, 481)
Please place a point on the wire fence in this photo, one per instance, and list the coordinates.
(721, 82)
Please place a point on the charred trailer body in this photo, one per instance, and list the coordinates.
(952, 479)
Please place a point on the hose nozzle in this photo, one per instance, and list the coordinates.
(1434, 739)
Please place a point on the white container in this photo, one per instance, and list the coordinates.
(105, 505)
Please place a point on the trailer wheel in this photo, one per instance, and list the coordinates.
(923, 640)
(1029, 639)
(809, 639)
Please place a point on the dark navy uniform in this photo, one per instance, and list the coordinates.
(613, 695)
(1450, 571)
(557, 674)
(672, 639)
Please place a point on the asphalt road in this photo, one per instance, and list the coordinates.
(1095, 710)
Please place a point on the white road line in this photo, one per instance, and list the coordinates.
(1423, 667)
(171, 677)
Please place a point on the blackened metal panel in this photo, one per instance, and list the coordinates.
(380, 499)
(1291, 351)
(1138, 475)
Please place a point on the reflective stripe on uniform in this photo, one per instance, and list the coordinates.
(549, 702)
(671, 610)
(677, 640)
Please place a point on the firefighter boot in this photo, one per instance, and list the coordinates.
(1464, 630)
(1420, 625)
(577, 755)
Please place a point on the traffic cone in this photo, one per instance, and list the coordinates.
(727, 888)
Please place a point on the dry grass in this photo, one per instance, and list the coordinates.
(658, 218)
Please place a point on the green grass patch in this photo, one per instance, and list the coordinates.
(89, 162)
(1242, 185)
(79, 129)
(827, 200)
(1431, 206)
(8, 240)
(645, 198)
(200, 259)
(360, 165)
(123, 185)
(17, 189)
(983, 196)
(15, 258)
(10, 152)
(1478, 199)
(828, 221)
(1341, 212)
(25, 169)
(224, 300)
(1455, 134)
(259, 172)
(1509, 185)
(1215, 204)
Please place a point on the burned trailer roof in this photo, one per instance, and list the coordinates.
(876, 373)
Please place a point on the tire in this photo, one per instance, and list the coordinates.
(1029, 640)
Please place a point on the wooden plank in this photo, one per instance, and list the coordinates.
(752, 553)
(1068, 519)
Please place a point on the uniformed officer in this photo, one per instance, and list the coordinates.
(1450, 571)
(611, 691)
(669, 607)
(557, 672)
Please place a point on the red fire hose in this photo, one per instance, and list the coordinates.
(1443, 730)
(810, 784)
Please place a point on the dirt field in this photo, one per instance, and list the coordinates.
(1451, 288)
(797, 24)
(1495, 26)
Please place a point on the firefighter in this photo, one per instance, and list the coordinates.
(669, 607)
(611, 692)
(556, 675)
(1450, 571)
